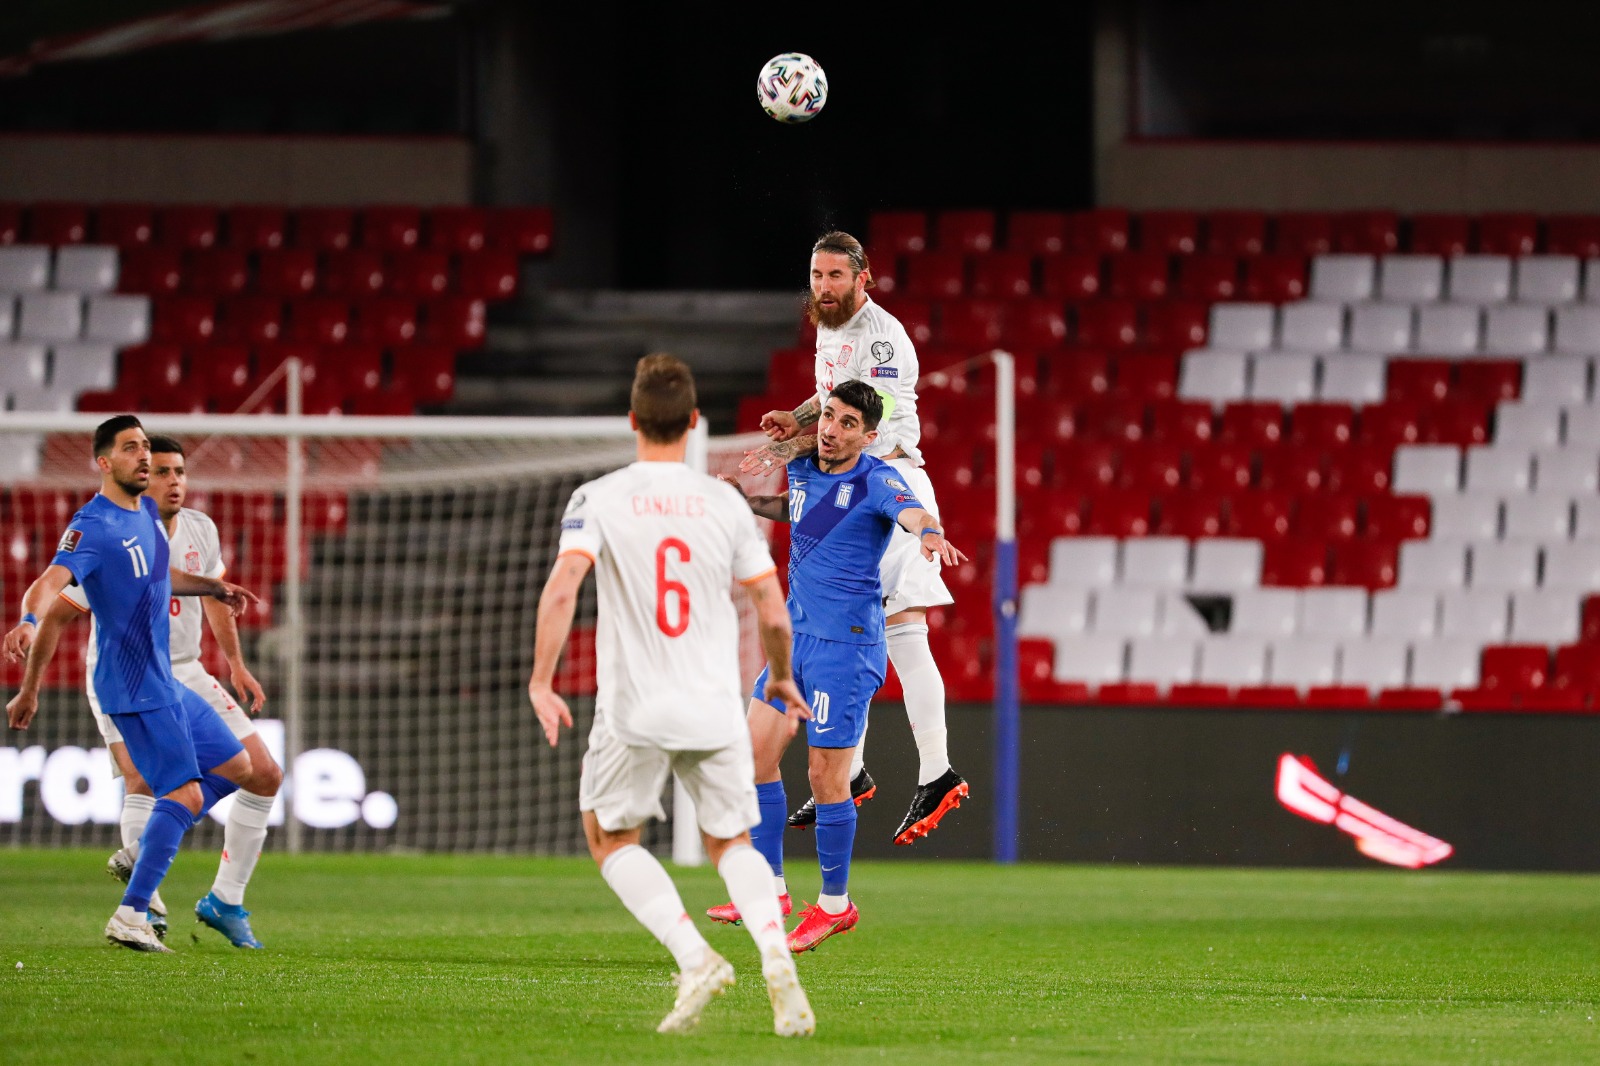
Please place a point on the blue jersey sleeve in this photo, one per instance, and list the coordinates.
(82, 547)
(889, 494)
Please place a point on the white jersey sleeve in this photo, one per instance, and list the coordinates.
(873, 347)
(196, 549)
(667, 544)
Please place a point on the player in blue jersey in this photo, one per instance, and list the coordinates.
(116, 548)
(842, 507)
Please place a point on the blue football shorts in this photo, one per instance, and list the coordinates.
(839, 679)
(171, 745)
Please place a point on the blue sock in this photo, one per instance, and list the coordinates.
(836, 836)
(157, 848)
(768, 836)
(213, 789)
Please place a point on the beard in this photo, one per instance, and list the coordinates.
(833, 316)
(131, 487)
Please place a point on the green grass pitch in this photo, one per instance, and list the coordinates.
(461, 959)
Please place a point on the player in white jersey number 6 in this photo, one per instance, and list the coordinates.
(857, 340)
(667, 543)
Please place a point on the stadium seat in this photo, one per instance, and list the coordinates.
(1169, 232)
(217, 271)
(1544, 617)
(1556, 379)
(1321, 425)
(1547, 279)
(286, 272)
(1498, 470)
(1070, 276)
(1275, 278)
(151, 271)
(1047, 518)
(1036, 233)
(1265, 612)
(1343, 278)
(117, 320)
(1303, 233)
(1458, 422)
(1508, 234)
(252, 319)
(1366, 232)
(1373, 664)
(1262, 515)
(1086, 464)
(1575, 235)
(1479, 279)
(1466, 515)
(23, 366)
(492, 274)
(1077, 374)
(1092, 659)
(1103, 230)
(1487, 381)
(391, 228)
(56, 224)
(1089, 562)
(187, 226)
(1155, 562)
(1153, 376)
(124, 226)
(1577, 330)
(1189, 514)
(1217, 376)
(1449, 329)
(427, 372)
(354, 273)
(1566, 472)
(257, 227)
(1207, 276)
(457, 229)
(1476, 615)
(1232, 661)
(1155, 468)
(934, 275)
(1180, 617)
(1410, 278)
(1391, 424)
(1125, 612)
(24, 268)
(389, 321)
(1439, 235)
(1118, 513)
(418, 274)
(1352, 378)
(1581, 427)
(971, 324)
(1226, 563)
(1443, 664)
(321, 320)
(1311, 326)
(324, 229)
(1516, 329)
(1001, 275)
(1586, 518)
(1295, 562)
(898, 232)
(1404, 614)
(49, 316)
(1054, 611)
(1141, 275)
(1336, 516)
(1427, 469)
(1385, 328)
(76, 368)
(1283, 377)
(224, 372)
(1220, 468)
(965, 231)
(1252, 423)
(1369, 563)
(1245, 327)
(1108, 324)
(1236, 233)
(1514, 669)
(1292, 470)
(1505, 565)
(1434, 565)
(1527, 426)
(1302, 663)
(1161, 661)
(86, 268)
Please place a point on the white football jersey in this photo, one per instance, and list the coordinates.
(196, 549)
(667, 544)
(874, 347)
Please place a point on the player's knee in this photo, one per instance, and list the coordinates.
(134, 785)
(189, 795)
(266, 777)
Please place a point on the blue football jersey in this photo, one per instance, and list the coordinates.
(121, 559)
(839, 526)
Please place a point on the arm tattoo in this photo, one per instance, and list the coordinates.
(808, 413)
(775, 508)
(794, 447)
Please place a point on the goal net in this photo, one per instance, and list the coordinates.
(400, 563)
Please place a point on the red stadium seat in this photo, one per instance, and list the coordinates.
(915, 315)
(1037, 232)
(57, 224)
(10, 223)
(1001, 275)
(183, 319)
(1186, 422)
(1360, 468)
(1118, 513)
(252, 319)
(1293, 470)
(224, 371)
(1589, 620)
(1488, 380)
(319, 320)
(939, 275)
(1083, 465)
(1461, 422)
(1321, 425)
(1108, 324)
(430, 373)
(1367, 232)
(389, 321)
(1221, 468)
(1303, 233)
(1276, 278)
(1336, 516)
(151, 271)
(525, 230)
(1076, 374)
(1578, 667)
(1154, 468)
(898, 232)
(1101, 231)
(324, 229)
(1033, 464)
(1368, 563)
(977, 324)
(1208, 276)
(124, 225)
(257, 227)
(325, 512)
(1146, 375)
(1177, 324)
(1036, 323)
(354, 273)
(492, 275)
(1139, 275)
(1253, 423)
(965, 231)
(187, 226)
(1514, 668)
(1236, 232)
(150, 368)
(1043, 518)
(1508, 233)
(1259, 515)
(187, 398)
(1419, 381)
(1070, 276)
(1112, 418)
(419, 275)
(1390, 424)
(1397, 518)
(391, 229)
(218, 271)
(1577, 235)
(454, 320)
(1169, 232)
(458, 229)
(1445, 235)
(1295, 562)
(286, 272)
(888, 272)
(1189, 514)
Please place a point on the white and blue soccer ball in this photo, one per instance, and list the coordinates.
(792, 87)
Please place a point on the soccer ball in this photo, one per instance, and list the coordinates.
(792, 88)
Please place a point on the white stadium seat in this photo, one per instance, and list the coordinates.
(1591, 280)
(43, 401)
(119, 320)
(1433, 564)
(1091, 659)
(1179, 618)
(1053, 611)
(1285, 377)
(1411, 278)
(1542, 516)
(1577, 329)
(20, 456)
(1248, 326)
(1426, 469)
(1505, 565)
(1223, 564)
(1529, 425)
(1571, 565)
(1467, 614)
(1495, 469)
(1353, 377)
(1582, 427)
(1466, 516)
(1345, 278)
(1480, 279)
(8, 316)
(24, 268)
(49, 316)
(1155, 562)
(1085, 561)
(1382, 327)
(76, 368)
(1125, 612)
(1232, 661)
(1586, 518)
(23, 365)
(1449, 329)
(1303, 662)
(1555, 379)
(86, 268)
(1547, 279)
(1516, 329)
(1373, 664)
(1544, 617)
(1406, 614)
(1445, 664)
(1311, 326)
(1332, 612)
(1265, 612)
(1213, 374)
(1162, 661)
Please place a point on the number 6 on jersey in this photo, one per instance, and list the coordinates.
(665, 586)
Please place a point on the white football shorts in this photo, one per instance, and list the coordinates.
(908, 579)
(622, 785)
(194, 676)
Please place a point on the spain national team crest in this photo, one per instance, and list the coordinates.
(191, 562)
(845, 352)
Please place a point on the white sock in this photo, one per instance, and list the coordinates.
(642, 884)
(859, 760)
(779, 885)
(924, 693)
(833, 904)
(242, 838)
(135, 813)
(748, 878)
(131, 916)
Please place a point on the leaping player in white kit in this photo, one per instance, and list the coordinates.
(667, 543)
(196, 549)
(857, 340)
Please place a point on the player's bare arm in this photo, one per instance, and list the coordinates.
(236, 597)
(557, 605)
(782, 425)
(25, 704)
(771, 458)
(226, 631)
(773, 508)
(36, 603)
(772, 621)
(930, 536)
